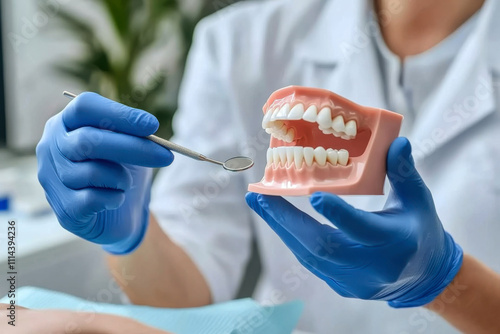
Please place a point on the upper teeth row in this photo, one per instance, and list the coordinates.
(285, 156)
(336, 126)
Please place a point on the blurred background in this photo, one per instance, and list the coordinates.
(132, 51)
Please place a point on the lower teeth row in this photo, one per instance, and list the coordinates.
(286, 156)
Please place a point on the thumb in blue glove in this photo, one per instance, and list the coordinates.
(401, 254)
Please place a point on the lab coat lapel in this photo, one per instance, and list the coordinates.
(359, 79)
(465, 97)
(340, 55)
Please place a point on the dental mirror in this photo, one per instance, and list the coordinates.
(236, 164)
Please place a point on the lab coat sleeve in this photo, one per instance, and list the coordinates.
(200, 206)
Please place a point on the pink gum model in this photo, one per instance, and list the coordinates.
(321, 141)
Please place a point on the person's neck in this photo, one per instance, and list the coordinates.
(411, 27)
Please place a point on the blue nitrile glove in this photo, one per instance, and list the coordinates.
(401, 254)
(93, 167)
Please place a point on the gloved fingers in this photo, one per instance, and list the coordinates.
(317, 266)
(92, 174)
(91, 109)
(364, 227)
(405, 180)
(338, 289)
(88, 143)
(315, 240)
(77, 210)
(320, 267)
(90, 201)
(303, 255)
(76, 206)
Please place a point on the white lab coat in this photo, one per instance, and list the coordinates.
(245, 52)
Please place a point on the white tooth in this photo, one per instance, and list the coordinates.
(325, 118)
(282, 153)
(333, 156)
(343, 157)
(276, 157)
(309, 155)
(298, 155)
(338, 124)
(351, 129)
(289, 155)
(290, 135)
(269, 130)
(269, 156)
(275, 112)
(337, 134)
(297, 112)
(267, 119)
(328, 131)
(283, 112)
(283, 135)
(311, 114)
(279, 129)
(278, 124)
(320, 155)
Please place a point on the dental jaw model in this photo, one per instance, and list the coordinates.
(321, 141)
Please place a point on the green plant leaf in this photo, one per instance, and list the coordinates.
(120, 13)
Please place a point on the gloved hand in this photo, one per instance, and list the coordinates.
(92, 165)
(401, 254)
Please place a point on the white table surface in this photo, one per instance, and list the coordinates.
(33, 234)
